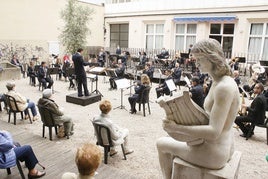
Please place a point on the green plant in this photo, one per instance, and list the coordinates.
(75, 30)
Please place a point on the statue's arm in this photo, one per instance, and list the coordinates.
(223, 98)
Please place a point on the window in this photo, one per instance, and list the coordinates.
(184, 36)
(223, 33)
(154, 36)
(258, 42)
(119, 35)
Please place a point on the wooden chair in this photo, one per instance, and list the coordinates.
(252, 126)
(143, 99)
(104, 139)
(20, 170)
(48, 121)
(13, 108)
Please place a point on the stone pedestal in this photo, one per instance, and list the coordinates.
(185, 170)
(84, 100)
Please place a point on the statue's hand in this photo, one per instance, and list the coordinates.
(169, 125)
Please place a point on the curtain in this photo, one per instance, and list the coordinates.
(180, 28)
(190, 40)
(191, 29)
(179, 43)
(265, 50)
(149, 41)
(256, 29)
(159, 41)
(159, 28)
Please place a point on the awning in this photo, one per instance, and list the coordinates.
(205, 19)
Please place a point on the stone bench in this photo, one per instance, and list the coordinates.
(185, 170)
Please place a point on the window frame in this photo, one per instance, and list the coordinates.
(154, 34)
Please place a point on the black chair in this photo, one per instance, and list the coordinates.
(20, 170)
(48, 121)
(252, 126)
(144, 98)
(13, 108)
(104, 139)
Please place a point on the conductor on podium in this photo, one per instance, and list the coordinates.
(80, 73)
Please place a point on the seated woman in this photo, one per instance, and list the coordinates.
(87, 159)
(9, 153)
(22, 102)
(145, 81)
(31, 73)
(57, 113)
(117, 133)
(221, 104)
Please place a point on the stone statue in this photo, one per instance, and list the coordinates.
(221, 105)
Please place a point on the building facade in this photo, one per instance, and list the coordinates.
(32, 27)
(241, 26)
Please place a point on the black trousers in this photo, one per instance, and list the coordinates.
(82, 80)
(132, 101)
(241, 122)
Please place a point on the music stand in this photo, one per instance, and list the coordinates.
(121, 84)
(96, 71)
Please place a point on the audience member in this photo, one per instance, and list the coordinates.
(120, 72)
(101, 57)
(9, 153)
(118, 50)
(43, 76)
(143, 58)
(15, 61)
(145, 81)
(197, 92)
(80, 73)
(163, 88)
(22, 102)
(31, 73)
(3, 99)
(256, 111)
(118, 134)
(87, 159)
(57, 112)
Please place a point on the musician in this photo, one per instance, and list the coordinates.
(143, 58)
(58, 64)
(177, 74)
(197, 92)
(101, 57)
(236, 77)
(118, 50)
(139, 87)
(163, 88)
(120, 72)
(256, 111)
(43, 76)
(251, 83)
(80, 73)
(149, 70)
(164, 54)
(221, 104)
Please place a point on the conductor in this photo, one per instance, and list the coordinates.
(80, 73)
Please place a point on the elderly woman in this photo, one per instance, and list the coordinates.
(57, 113)
(117, 133)
(22, 102)
(145, 81)
(221, 104)
(88, 159)
(9, 153)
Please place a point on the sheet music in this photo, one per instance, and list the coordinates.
(171, 85)
(122, 83)
(97, 69)
(186, 79)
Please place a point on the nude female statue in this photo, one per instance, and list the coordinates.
(221, 104)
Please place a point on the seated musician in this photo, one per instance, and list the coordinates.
(58, 64)
(163, 88)
(120, 71)
(197, 92)
(31, 73)
(164, 54)
(43, 76)
(101, 57)
(177, 74)
(251, 83)
(149, 70)
(256, 111)
(139, 87)
(143, 58)
(15, 61)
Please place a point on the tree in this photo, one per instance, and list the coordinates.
(75, 30)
